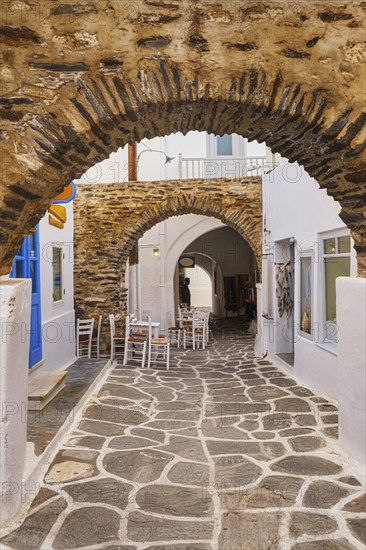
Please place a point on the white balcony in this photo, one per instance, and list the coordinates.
(225, 167)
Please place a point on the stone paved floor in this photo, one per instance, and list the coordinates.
(43, 425)
(222, 452)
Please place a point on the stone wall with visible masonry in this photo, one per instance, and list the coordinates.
(110, 218)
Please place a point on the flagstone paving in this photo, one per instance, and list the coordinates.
(223, 451)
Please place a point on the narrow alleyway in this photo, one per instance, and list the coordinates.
(223, 451)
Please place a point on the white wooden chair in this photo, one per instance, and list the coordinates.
(186, 322)
(174, 332)
(138, 332)
(96, 339)
(194, 334)
(84, 332)
(142, 332)
(117, 339)
(204, 316)
(135, 346)
(175, 335)
(158, 349)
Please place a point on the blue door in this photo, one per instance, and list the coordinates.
(26, 266)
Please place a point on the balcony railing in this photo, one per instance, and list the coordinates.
(224, 167)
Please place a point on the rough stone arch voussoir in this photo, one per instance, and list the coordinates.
(80, 81)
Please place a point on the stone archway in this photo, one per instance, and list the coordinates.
(109, 218)
(81, 80)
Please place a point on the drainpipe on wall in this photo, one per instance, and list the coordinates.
(134, 290)
(138, 292)
(162, 244)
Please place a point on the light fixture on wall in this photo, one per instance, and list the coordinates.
(148, 149)
(156, 252)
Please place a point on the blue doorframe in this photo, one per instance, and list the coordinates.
(26, 265)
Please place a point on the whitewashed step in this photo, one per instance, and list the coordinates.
(43, 387)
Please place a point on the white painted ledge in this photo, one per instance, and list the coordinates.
(15, 300)
(351, 319)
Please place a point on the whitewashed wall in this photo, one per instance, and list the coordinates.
(15, 308)
(58, 342)
(200, 286)
(115, 168)
(295, 207)
(351, 301)
(172, 237)
(210, 266)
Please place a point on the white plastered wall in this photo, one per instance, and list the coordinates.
(58, 318)
(351, 318)
(211, 267)
(15, 301)
(157, 273)
(200, 285)
(295, 207)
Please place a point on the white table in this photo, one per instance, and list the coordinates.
(144, 324)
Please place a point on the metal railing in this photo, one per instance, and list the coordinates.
(224, 167)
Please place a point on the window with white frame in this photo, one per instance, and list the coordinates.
(224, 145)
(57, 273)
(306, 295)
(337, 263)
(228, 145)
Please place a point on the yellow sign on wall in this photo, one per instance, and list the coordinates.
(58, 216)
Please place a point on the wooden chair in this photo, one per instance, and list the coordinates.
(204, 316)
(194, 334)
(158, 349)
(84, 333)
(96, 339)
(117, 339)
(174, 332)
(142, 332)
(138, 332)
(135, 346)
(174, 335)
